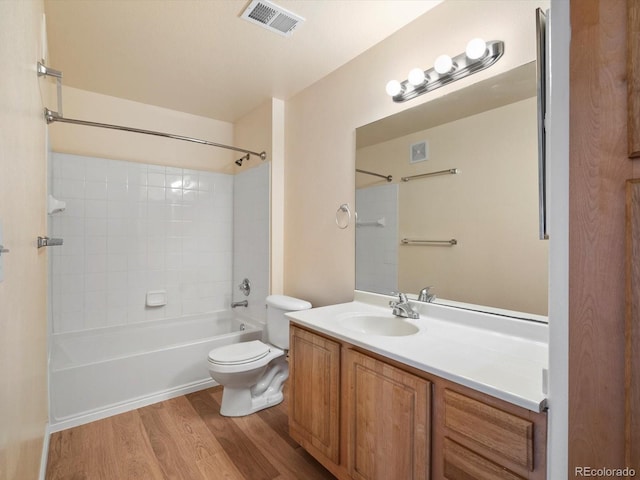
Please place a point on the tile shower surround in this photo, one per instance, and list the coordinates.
(129, 228)
(377, 246)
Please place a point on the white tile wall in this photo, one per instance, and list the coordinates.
(130, 227)
(377, 247)
(251, 237)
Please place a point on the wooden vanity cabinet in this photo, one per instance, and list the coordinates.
(314, 394)
(366, 417)
(388, 420)
(481, 437)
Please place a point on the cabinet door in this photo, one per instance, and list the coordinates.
(314, 376)
(388, 416)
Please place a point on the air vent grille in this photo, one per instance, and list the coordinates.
(284, 23)
(272, 17)
(262, 13)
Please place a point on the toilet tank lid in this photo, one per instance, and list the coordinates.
(283, 302)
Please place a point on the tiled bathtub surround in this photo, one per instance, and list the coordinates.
(251, 237)
(377, 252)
(130, 228)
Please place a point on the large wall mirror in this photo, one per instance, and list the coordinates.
(472, 235)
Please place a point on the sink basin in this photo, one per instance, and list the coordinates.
(379, 325)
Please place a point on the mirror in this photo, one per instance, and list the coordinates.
(473, 234)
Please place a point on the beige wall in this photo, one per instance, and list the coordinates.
(100, 142)
(253, 132)
(490, 207)
(321, 123)
(23, 326)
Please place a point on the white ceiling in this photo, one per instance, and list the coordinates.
(200, 57)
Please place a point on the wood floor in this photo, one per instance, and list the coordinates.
(183, 438)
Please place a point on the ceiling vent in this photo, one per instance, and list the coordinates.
(272, 17)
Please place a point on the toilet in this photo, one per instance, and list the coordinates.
(253, 373)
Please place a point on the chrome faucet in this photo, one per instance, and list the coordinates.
(244, 303)
(401, 308)
(426, 295)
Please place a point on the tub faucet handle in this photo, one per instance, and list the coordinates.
(245, 287)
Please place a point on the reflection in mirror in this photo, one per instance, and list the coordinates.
(487, 132)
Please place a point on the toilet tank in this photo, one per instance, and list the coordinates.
(277, 323)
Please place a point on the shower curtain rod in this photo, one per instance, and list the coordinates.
(51, 117)
(388, 178)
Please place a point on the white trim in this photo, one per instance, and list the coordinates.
(45, 452)
(558, 171)
(139, 402)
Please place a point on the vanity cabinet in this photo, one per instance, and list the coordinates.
(367, 417)
(314, 386)
(481, 437)
(387, 418)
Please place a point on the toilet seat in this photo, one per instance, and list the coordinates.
(239, 353)
(242, 358)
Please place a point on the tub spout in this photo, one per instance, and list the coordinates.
(244, 303)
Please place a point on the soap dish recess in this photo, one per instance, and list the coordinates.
(156, 298)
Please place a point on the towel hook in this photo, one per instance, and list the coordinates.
(340, 219)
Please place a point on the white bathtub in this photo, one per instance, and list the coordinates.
(102, 372)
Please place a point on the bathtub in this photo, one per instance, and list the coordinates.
(102, 372)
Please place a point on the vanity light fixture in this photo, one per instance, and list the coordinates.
(416, 77)
(477, 56)
(443, 64)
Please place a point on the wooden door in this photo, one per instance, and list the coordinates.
(599, 168)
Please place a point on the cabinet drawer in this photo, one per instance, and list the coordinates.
(496, 430)
(461, 463)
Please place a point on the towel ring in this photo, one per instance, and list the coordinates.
(340, 217)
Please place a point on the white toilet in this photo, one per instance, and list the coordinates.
(253, 373)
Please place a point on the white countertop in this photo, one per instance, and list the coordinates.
(500, 356)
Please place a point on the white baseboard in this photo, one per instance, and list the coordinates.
(87, 417)
(45, 452)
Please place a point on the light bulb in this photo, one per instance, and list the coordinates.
(393, 88)
(416, 77)
(443, 64)
(476, 48)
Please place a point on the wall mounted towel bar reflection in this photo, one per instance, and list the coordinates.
(451, 171)
(409, 241)
(388, 178)
(381, 222)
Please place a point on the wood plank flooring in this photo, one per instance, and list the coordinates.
(183, 438)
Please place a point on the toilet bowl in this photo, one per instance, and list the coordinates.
(253, 373)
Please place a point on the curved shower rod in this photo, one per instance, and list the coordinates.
(51, 117)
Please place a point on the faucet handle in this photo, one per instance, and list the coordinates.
(245, 287)
(402, 298)
(426, 295)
